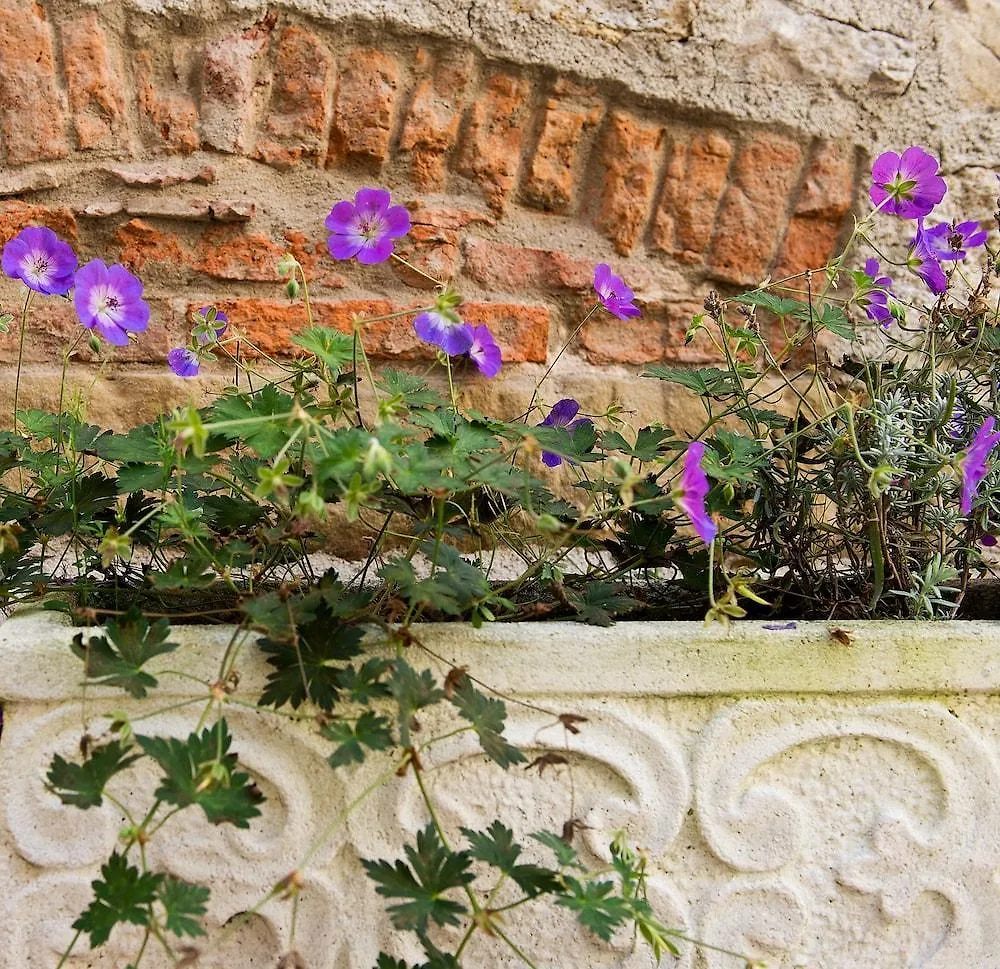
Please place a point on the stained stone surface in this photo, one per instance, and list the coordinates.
(812, 804)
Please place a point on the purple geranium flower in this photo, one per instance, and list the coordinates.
(874, 300)
(210, 325)
(694, 487)
(561, 415)
(923, 262)
(366, 227)
(443, 327)
(614, 295)
(41, 260)
(109, 298)
(484, 352)
(907, 184)
(949, 241)
(184, 362)
(973, 464)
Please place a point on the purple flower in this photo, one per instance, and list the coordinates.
(924, 263)
(41, 260)
(109, 298)
(561, 415)
(949, 241)
(184, 362)
(443, 327)
(210, 325)
(694, 487)
(973, 464)
(909, 181)
(614, 295)
(366, 227)
(484, 352)
(874, 300)
(989, 540)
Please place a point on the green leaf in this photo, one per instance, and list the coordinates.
(369, 730)
(454, 588)
(364, 684)
(307, 662)
(412, 391)
(266, 433)
(192, 571)
(496, 846)
(333, 348)
(412, 692)
(228, 514)
(200, 770)
(709, 381)
(598, 602)
(139, 444)
(487, 716)
(565, 853)
(595, 906)
(774, 304)
(184, 904)
(117, 658)
(82, 785)
(834, 319)
(433, 870)
(122, 894)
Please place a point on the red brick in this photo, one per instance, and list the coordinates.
(522, 331)
(432, 244)
(32, 109)
(431, 128)
(299, 111)
(171, 118)
(14, 216)
(754, 208)
(491, 152)
(551, 180)
(229, 80)
(825, 199)
(95, 84)
(53, 326)
(630, 155)
(315, 259)
(513, 268)
(697, 165)
(166, 207)
(142, 243)
(658, 335)
(363, 112)
(228, 254)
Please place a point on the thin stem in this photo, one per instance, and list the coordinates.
(562, 350)
(20, 352)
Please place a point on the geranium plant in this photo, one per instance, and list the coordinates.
(862, 487)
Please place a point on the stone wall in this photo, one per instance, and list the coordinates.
(811, 804)
(692, 145)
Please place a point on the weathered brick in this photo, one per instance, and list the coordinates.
(164, 207)
(753, 211)
(491, 152)
(142, 243)
(229, 254)
(630, 155)
(15, 215)
(514, 268)
(657, 336)
(231, 210)
(53, 326)
(826, 197)
(551, 180)
(364, 107)
(314, 257)
(697, 165)
(229, 79)
(24, 182)
(431, 127)
(521, 330)
(161, 176)
(299, 111)
(32, 109)
(432, 244)
(94, 82)
(171, 117)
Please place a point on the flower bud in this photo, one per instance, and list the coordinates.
(292, 288)
(377, 459)
(881, 478)
(94, 342)
(310, 504)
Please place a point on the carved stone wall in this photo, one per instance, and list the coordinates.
(809, 803)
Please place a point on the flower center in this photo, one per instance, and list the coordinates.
(370, 227)
(38, 265)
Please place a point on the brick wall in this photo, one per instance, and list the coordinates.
(197, 152)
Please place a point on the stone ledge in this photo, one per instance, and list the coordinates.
(630, 659)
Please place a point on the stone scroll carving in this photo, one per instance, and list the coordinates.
(819, 832)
